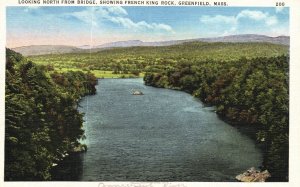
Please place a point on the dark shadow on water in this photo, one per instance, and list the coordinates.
(69, 169)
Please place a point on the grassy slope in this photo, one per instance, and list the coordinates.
(141, 58)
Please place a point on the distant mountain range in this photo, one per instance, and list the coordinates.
(60, 49)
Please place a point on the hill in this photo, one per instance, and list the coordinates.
(59, 49)
(128, 61)
(45, 49)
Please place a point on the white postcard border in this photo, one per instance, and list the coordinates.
(294, 161)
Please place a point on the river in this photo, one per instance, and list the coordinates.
(163, 135)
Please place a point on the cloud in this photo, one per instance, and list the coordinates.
(248, 14)
(26, 9)
(255, 15)
(279, 9)
(142, 25)
(117, 10)
(84, 16)
(31, 8)
(272, 20)
(280, 30)
(116, 15)
(218, 19)
(229, 24)
(258, 16)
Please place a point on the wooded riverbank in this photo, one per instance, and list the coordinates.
(42, 123)
(248, 92)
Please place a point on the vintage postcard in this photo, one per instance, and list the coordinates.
(149, 92)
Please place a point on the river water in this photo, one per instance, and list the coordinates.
(163, 135)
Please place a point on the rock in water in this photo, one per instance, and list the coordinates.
(253, 175)
(136, 92)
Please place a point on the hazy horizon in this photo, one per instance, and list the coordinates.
(92, 26)
(145, 41)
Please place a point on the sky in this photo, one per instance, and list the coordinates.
(78, 26)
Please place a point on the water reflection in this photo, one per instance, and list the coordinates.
(163, 135)
(70, 169)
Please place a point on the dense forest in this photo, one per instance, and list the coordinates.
(42, 123)
(245, 92)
